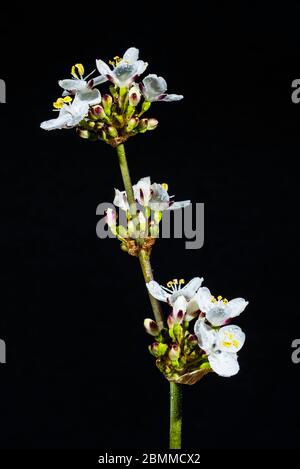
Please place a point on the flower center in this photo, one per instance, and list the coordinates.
(219, 298)
(116, 60)
(174, 285)
(124, 71)
(230, 340)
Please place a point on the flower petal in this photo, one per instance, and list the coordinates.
(236, 307)
(103, 68)
(157, 291)
(224, 364)
(153, 87)
(206, 335)
(72, 84)
(230, 339)
(131, 55)
(141, 67)
(179, 205)
(98, 80)
(171, 97)
(89, 96)
(59, 123)
(203, 299)
(179, 309)
(142, 191)
(120, 200)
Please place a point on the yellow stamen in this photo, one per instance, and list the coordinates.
(235, 343)
(220, 298)
(175, 281)
(226, 344)
(58, 104)
(213, 300)
(181, 281)
(170, 284)
(225, 301)
(165, 186)
(77, 71)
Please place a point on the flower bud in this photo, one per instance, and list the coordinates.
(107, 103)
(143, 126)
(178, 332)
(83, 133)
(158, 216)
(122, 232)
(151, 327)
(142, 221)
(153, 230)
(131, 228)
(134, 95)
(174, 352)
(158, 350)
(130, 111)
(152, 124)
(113, 91)
(111, 217)
(133, 122)
(97, 112)
(112, 131)
(146, 105)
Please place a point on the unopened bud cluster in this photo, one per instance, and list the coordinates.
(176, 350)
(118, 117)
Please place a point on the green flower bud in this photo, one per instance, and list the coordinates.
(143, 125)
(130, 111)
(147, 212)
(113, 91)
(124, 247)
(158, 350)
(146, 105)
(158, 216)
(122, 232)
(154, 230)
(97, 112)
(205, 366)
(119, 120)
(152, 124)
(174, 352)
(107, 103)
(112, 131)
(151, 327)
(178, 332)
(133, 122)
(83, 133)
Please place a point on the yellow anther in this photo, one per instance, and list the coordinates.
(58, 104)
(226, 344)
(67, 99)
(229, 335)
(220, 297)
(181, 281)
(213, 300)
(175, 281)
(170, 284)
(77, 71)
(235, 343)
(165, 186)
(225, 301)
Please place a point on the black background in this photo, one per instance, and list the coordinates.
(78, 372)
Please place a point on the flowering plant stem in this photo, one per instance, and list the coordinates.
(175, 415)
(144, 258)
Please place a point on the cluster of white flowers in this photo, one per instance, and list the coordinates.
(219, 340)
(124, 74)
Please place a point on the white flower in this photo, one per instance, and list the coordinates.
(220, 346)
(154, 89)
(156, 196)
(125, 70)
(111, 217)
(121, 200)
(219, 310)
(70, 113)
(80, 85)
(174, 290)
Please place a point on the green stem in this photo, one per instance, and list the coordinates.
(144, 258)
(143, 255)
(175, 415)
